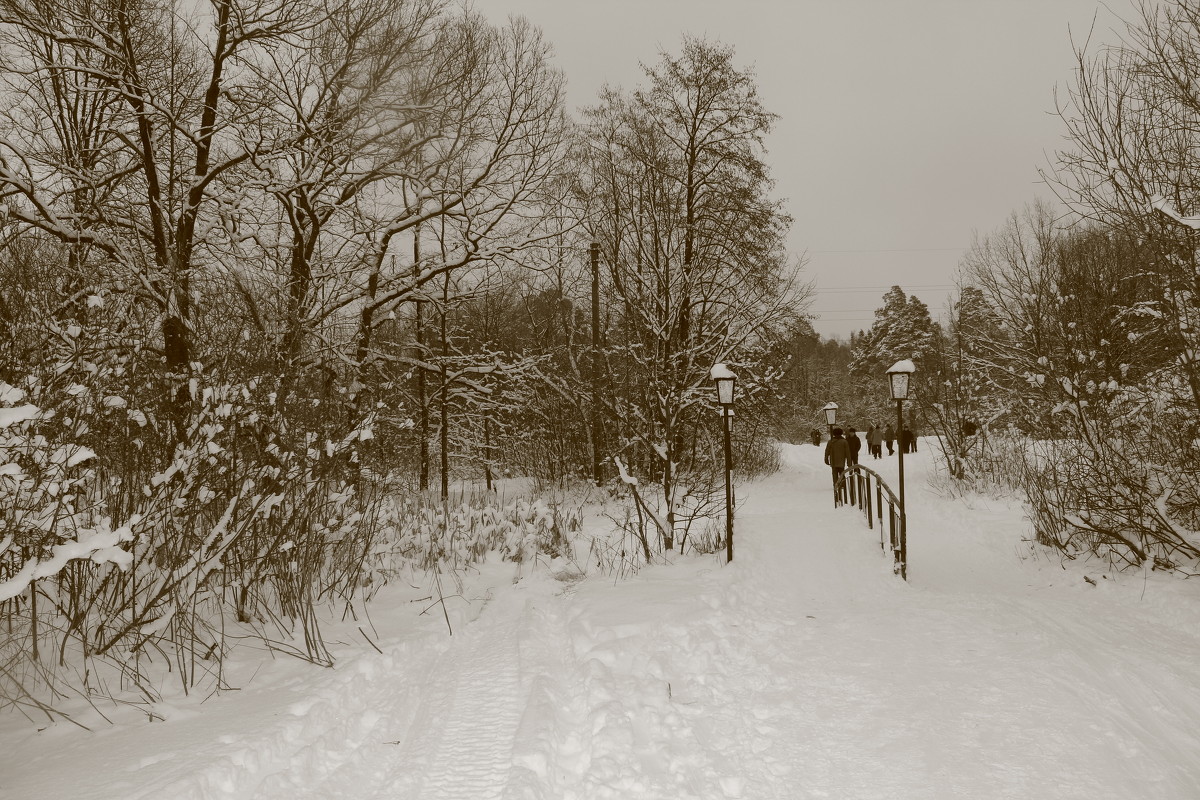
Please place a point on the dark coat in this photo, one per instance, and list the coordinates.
(837, 452)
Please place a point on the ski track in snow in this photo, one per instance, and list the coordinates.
(460, 740)
(804, 669)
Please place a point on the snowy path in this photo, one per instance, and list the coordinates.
(803, 670)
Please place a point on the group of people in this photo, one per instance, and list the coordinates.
(876, 437)
(844, 447)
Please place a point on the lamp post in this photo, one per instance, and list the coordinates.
(725, 380)
(830, 410)
(898, 380)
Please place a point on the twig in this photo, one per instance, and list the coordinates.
(368, 638)
(437, 577)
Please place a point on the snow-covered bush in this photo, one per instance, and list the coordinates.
(250, 526)
(38, 493)
(53, 531)
(46, 513)
(1121, 482)
(424, 530)
(117, 543)
(1081, 343)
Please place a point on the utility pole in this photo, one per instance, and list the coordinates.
(422, 404)
(594, 367)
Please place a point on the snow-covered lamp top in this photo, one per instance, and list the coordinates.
(725, 380)
(830, 410)
(898, 377)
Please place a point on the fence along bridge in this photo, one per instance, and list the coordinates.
(866, 489)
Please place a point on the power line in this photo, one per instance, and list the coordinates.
(840, 290)
(846, 311)
(885, 288)
(898, 250)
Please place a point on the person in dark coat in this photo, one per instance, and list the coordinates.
(837, 455)
(815, 436)
(908, 441)
(889, 436)
(855, 445)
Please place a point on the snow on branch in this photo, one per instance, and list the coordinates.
(18, 414)
(1160, 203)
(101, 545)
(625, 476)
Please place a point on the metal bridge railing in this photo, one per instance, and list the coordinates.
(865, 488)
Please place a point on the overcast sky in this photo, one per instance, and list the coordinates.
(905, 125)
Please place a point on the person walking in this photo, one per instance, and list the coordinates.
(855, 445)
(875, 441)
(889, 436)
(837, 454)
(909, 440)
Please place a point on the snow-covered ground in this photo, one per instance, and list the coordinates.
(804, 669)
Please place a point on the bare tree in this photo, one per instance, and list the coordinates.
(180, 146)
(693, 245)
(140, 132)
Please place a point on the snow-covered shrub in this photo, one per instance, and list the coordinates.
(46, 515)
(53, 533)
(106, 555)
(424, 530)
(1122, 481)
(689, 504)
(118, 551)
(1084, 341)
(994, 467)
(756, 456)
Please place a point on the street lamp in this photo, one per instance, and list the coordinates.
(725, 381)
(898, 380)
(830, 410)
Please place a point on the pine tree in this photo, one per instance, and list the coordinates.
(903, 328)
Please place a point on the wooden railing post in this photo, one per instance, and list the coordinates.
(891, 525)
(870, 516)
(879, 511)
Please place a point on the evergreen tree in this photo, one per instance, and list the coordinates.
(902, 329)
